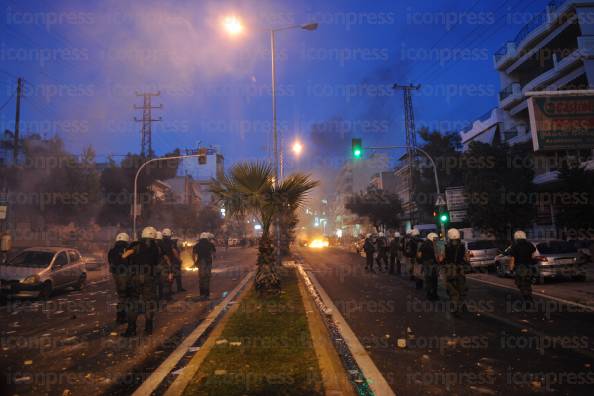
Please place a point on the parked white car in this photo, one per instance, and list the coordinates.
(38, 271)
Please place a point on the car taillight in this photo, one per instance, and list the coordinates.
(541, 259)
(470, 254)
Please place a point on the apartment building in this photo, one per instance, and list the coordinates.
(553, 52)
(550, 62)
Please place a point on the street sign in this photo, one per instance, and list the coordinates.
(440, 201)
(457, 216)
(562, 122)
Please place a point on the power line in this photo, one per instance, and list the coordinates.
(8, 100)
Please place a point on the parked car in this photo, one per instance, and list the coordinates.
(38, 271)
(481, 253)
(552, 259)
(94, 261)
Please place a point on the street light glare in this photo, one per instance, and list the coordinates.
(297, 148)
(233, 25)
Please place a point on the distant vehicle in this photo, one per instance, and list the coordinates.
(552, 259)
(39, 271)
(482, 253)
(94, 262)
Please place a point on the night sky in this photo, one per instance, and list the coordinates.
(83, 61)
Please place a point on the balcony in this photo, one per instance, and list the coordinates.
(540, 21)
(510, 95)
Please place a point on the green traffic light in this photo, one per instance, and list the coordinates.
(443, 218)
(357, 153)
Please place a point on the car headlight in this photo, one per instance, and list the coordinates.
(30, 280)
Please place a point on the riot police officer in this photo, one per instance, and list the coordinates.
(174, 257)
(429, 263)
(369, 250)
(412, 247)
(394, 249)
(144, 261)
(118, 267)
(522, 265)
(455, 253)
(202, 253)
(382, 252)
(163, 269)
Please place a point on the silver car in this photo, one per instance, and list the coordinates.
(481, 253)
(552, 259)
(37, 272)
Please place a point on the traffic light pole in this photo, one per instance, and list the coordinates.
(426, 155)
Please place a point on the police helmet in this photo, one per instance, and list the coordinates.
(122, 237)
(159, 235)
(149, 233)
(519, 235)
(167, 232)
(414, 232)
(432, 236)
(453, 233)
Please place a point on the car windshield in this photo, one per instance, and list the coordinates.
(481, 245)
(32, 259)
(556, 247)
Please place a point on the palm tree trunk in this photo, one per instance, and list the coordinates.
(267, 279)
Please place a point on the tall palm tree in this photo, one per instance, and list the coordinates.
(248, 189)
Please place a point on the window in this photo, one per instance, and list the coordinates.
(61, 260)
(73, 256)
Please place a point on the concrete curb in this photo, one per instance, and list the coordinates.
(157, 377)
(336, 381)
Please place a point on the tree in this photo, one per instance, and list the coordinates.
(117, 186)
(209, 219)
(381, 208)
(248, 189)
(498, 185)
(445, 151)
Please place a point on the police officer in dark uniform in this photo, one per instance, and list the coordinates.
(163, 269)
(144, 261)
(369, 250)
(176, 262)
(394, 249)
(412, 247)
(382, 252)
(429, 263)
(202, 253)
(455, 253)
(118, 267)
(522, 264)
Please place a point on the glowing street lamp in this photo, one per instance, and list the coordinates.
(297, 148)
(233, 25)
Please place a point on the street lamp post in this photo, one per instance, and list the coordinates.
(141, 167)
(278, 170)
(234, 27)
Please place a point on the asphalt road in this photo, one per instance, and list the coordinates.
(497, 348)
(71, 343)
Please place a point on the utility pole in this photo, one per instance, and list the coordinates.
(146, 145)
(411, 138)
(17, 120)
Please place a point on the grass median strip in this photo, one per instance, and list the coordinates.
(265, 348)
